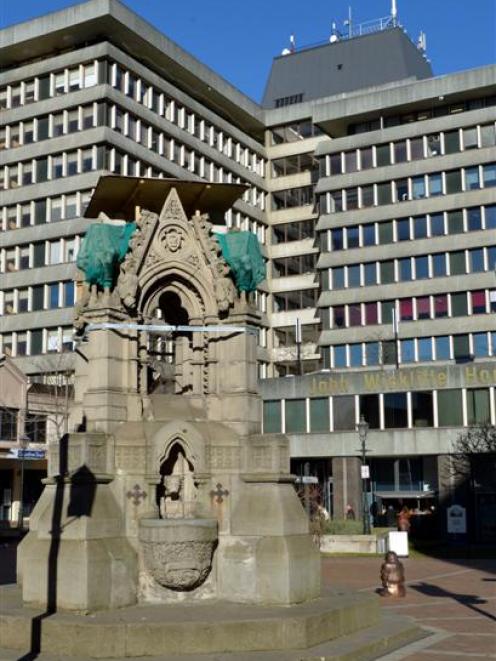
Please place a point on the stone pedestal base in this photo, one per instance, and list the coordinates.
(76, 556)
(169, 631)
(269, 557)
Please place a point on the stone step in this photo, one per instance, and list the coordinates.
(208, 627)
(393, 633)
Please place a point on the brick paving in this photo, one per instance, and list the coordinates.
(456, 599)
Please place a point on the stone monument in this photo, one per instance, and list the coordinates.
(168, 491)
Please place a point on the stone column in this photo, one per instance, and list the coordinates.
(347, 486)
(111, 384)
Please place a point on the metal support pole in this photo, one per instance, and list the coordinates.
(298, 346)
(306, 487)
(363, 428)
(20, 518)
(366, 519)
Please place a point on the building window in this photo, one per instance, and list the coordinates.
(439, 265)
(344, 413)
(478, 408)
(8, 424)
(272, 416)
(395, 410)
(295, 415)
(369, 408)
(36, 427)
(319, 415)
(422, 409)
(461, 348)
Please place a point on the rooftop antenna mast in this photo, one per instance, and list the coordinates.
(394, 13)
(349, 23)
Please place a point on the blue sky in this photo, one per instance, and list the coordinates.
(239, 38)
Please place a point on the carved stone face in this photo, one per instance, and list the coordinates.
(173, 240)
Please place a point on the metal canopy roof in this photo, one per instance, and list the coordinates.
(118, 196)
(405, 494)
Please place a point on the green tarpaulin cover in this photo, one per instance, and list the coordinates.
(242, 252)
(103, 249)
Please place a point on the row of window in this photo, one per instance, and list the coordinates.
(39, 341)
(100, 71)
(71, 163)
(459, 304)
(35, 425)
(411, 149)
(52, 84)
(38, 297)
(433, 110)
(64, 207)
(176, 152)
(40, 253)
(295, 164)
(285, 336)
(293, 197)
(295, 300)
(294, 265)
(406, 269)
(390, 410)
(56, 166)
(441, 223)
(141, 91)
(411, 350)
(294, 132)
(409, 188)
(45, 210)
(53, 125)
(294, 231)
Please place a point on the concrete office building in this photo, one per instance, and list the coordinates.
(370, 188)
(406, 234)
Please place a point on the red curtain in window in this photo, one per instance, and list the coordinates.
(441, 306)
(478, 302)
(406, 309)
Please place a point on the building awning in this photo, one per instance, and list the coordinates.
(118, 196)
(405, 494)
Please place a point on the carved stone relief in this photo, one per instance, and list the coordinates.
(222, 457)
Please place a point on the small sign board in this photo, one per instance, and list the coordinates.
(457, 519)
(308, 479)
(365, 470)
(398, 542)
(16, 453)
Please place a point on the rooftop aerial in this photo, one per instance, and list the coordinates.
(361, 55)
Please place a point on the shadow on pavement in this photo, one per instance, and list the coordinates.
(469, 600)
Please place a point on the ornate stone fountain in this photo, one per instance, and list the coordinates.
(202, 505)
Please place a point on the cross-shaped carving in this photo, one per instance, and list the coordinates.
(136, 494)
(218, 493)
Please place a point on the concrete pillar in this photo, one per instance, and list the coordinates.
(347, 486)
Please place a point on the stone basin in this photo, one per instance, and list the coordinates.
(178, 553)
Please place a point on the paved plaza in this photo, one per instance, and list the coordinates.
(455, 600)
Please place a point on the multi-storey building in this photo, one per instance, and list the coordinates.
(407, 248)
(371, 186)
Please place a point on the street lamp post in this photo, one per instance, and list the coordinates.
(363, 428)
(24, 444)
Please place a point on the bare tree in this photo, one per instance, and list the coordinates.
(472, 467)
(471, 451)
